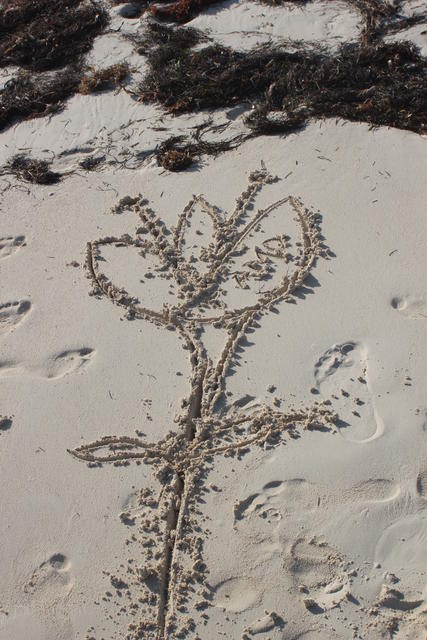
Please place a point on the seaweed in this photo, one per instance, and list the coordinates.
(102, 79)
(30, 96)
(36, 95)
(31, 170)
(382, 84)
(92, 163)
(165, 39)
(182, 10)
(40, 35)
(178, 152)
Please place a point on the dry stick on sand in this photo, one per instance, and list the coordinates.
(31, 170)
(204, 429)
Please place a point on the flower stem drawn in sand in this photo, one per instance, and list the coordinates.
(206, 427)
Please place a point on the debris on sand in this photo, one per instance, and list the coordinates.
(31, 95)
(92, 163)
(173, 157)
(40, 35)
(102, 79)
(165, 38)
(31, 170)
(382, 84)
(182, 10)
(178, 152)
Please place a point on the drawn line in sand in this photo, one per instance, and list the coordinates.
(205, 428)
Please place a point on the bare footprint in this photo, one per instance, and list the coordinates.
(11, 314)
(67, 362)
(52, 580)
(342, 375)
(373, 490)
(57, 366)
(415, 308)
(394, 599)
(10, 244)
(277, 497)
(264, 624)
(319, 570)
(402, 546)
(334, 358)
(236, 594)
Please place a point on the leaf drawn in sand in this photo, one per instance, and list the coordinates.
(245, 268)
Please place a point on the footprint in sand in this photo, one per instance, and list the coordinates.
(10, 244)
(51, 580)
(318, 572)
(402, 546)
(46, 592)
(57, 366)
(67, 362)
(414, 308)
(235, 594)
(11, 314)
(277, 497)
(373, 490)
(342, 375)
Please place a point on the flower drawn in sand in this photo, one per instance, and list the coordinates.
(225, 285)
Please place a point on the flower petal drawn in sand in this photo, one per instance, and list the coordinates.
(249, 259)
(203, 276)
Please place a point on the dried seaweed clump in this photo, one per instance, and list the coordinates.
(29, 96)
(166, 40)
(174, 156)
(102, 79)
(181, 10)
(178, 152)
(34, 96)
(184, 10)
(31, 170)
(382, 84)
(40, 35)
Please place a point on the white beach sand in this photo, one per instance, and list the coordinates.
(321, 534)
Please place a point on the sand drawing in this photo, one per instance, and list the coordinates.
(270, 272)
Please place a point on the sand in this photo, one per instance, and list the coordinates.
(250, 467)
